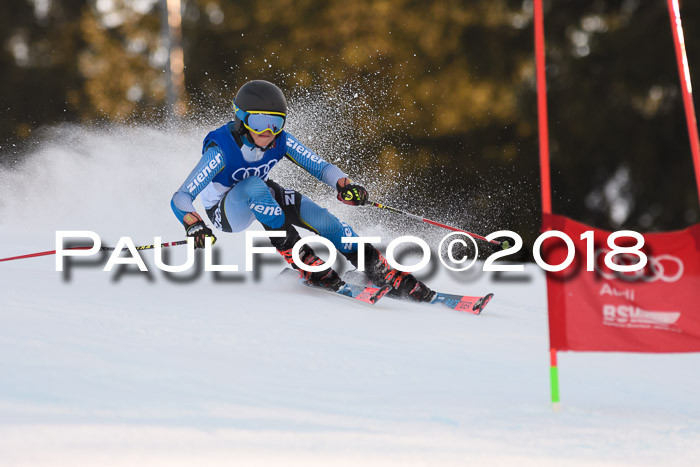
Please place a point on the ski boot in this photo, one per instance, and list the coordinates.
(328, 278)
(404, 284)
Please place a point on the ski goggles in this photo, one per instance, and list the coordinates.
(260, 121)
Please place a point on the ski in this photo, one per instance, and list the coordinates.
(466, 303)
(474, 305)
(363, 293)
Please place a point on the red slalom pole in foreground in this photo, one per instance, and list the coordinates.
(686, 86)
(104, 248)
(504, 245)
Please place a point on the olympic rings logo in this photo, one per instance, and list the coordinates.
(261, 171)
(657, 268)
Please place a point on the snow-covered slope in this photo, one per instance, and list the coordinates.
(131, 368)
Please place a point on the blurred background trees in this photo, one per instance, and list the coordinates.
(440, 95)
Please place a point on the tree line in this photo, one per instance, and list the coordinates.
(437, 98)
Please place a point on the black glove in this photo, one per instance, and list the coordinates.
(196, 228)
(351, 193)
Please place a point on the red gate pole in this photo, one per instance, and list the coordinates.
(686, 87)
(545, 184)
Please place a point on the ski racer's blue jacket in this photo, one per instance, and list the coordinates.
(225, 162)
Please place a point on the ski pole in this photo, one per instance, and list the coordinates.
(150, 247)
(104, 248)
(504, 244)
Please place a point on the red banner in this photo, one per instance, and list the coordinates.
(654, 309)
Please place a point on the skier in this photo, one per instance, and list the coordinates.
(232, 178)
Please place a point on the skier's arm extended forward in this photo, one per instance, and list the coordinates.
(330, 174)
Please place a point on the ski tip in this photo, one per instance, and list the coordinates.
(482, 302)
(380, 293)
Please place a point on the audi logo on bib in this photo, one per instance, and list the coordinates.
(653, 309)
(666, 268)
(262, 171)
